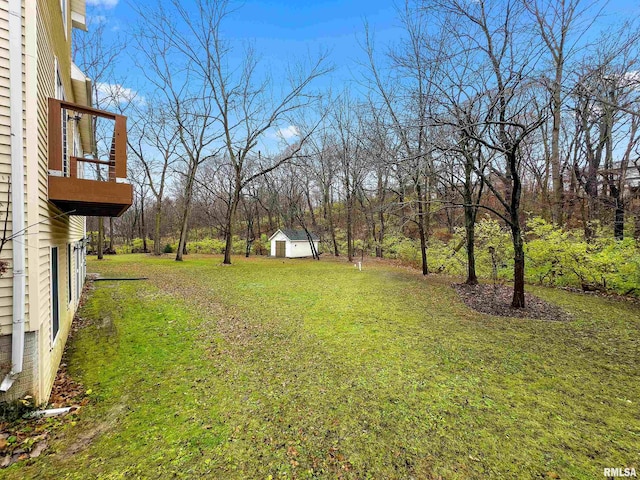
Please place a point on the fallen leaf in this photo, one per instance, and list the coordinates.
(39, 448)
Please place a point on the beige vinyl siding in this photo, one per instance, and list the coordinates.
(6, 288)
(44, 42)
(54, 230)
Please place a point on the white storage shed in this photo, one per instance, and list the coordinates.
(288, 243)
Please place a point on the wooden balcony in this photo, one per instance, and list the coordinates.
(70, 189)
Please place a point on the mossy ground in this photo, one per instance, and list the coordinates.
(302, 369)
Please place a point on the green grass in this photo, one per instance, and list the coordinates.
(302, 369)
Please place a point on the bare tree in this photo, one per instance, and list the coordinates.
(406, 93)
(561, 24)
(504, 55)
(607, 106)
(186, 94)
(246, 106)
(348, 150)
(321, 159)
(154, 142)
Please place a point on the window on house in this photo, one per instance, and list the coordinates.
(78, 269)
(55, 301)
(69, 275)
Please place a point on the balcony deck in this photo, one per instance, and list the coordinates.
(69, 192)
(90, 197)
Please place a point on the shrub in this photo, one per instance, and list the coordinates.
(261, 245)
(408, 251)
(238, 245)
(15, 410)
(556, 257)
(207, 245)
(168, 248)
(123, 249)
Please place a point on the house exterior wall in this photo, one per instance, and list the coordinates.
(46, 48)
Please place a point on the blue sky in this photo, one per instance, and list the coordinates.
(282, 31)
(286, 30)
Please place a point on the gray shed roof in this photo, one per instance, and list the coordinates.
(298, 235)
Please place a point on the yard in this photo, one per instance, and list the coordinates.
(300, 369)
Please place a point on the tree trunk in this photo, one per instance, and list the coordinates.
(379, 247)
(518, 267)
(618, 222)
(556, 167)
(258, 234)
(182, 244)
(421, 230)
(374, 234)
(349, 229)
(229, 222)
(381, 201)
(157, 247)
(334, 240)
(380, 239)
(332, 230)
(144, 228)
(111, 235)
(516, 232)
(250, 238)
(100, 238)
(470, 228)
(470, 212)
(310, 205)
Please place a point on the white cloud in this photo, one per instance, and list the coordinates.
(633, 79)
(288, 132)
(102, 3)
(111, 94)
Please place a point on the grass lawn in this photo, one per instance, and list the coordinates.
(302, 369)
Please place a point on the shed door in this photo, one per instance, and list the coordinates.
(281, 248)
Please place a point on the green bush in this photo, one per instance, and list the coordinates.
(15, 410)
(208, 245)
(137, 245)
(124, 249)
(553, 256)
(408, 251)
(238, 245)
(261, 246)
(559, 258)
(168, 248)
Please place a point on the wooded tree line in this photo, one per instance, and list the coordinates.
(508, 108)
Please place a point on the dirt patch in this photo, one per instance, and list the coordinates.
(87, 437)
(496, 300)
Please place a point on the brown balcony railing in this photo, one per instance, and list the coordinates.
(103, 195)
